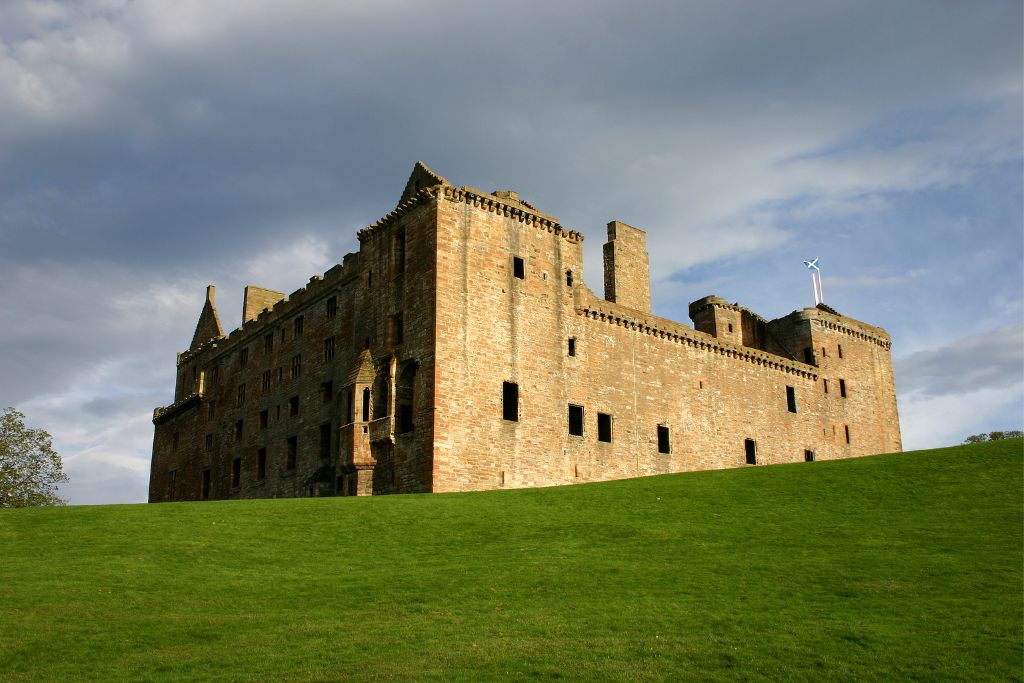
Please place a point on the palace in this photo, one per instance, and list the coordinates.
(460, 350)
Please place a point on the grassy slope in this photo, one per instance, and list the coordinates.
(905, 566)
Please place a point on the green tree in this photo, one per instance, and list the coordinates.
(30, 470)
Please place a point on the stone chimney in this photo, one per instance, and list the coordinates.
(627, 270)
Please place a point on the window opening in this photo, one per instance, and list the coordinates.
(329, 349)
(332, 307)
(209, 442)
(825, 384)
(298, 326)
(808, 456)
(510, 401)
(664, 445)
(842, 388)
(236, 473)
(840, 349)
(397, 329)
(405, 399)
(265, 384)
(847, 428)
(210, 410)
(261, 464)
(400, 251)
(325, 441)
(204, 491)
(296, 366)
(572, 346)
(518, 268)
(791, 399)
(268, 343)
(238, 431)
(327, 391)
(243, 357)
(366, 404)
(750, 446)
(809, 355)
(575, 420)
(568, 278)
(293, 406)
(730, 327)
(264, 418)
(291, 453)
(174, 441)
(241, 394)
(604, 427)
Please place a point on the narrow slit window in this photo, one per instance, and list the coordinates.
(264, 418)
(825, 384)
(325, 441)
(791, 399)
(291, 453)
(750, 446)
(293, 406)
(241, 394)
(568, 278)
(268, 343)
(204, 491)
(332, 307)
(664, 445)
(842, 388)
(730, 327)
(209, 442)
(510, 401)
(604, 427)
(572, 346)
(265, 383)
(238, 430)
(397, 329)
(296, 366)
(327, 392)
(261, 464)
(839, 348)
(298, 326)
(847, 429)
(243, 357)
(808, 456)
(366, 405)
(236, 473)
(575, 420)
(518, 268)
(174, 441)
(329, 349)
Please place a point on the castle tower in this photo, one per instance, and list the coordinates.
(627, 271)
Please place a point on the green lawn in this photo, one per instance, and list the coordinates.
(891, 567)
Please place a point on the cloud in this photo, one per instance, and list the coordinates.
(993, 360)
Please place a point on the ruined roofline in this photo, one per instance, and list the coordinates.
(319, 286)
(718, 302)
(492, 202)
(852, 327)
(663, 328)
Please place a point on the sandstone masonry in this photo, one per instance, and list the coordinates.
(460, 350)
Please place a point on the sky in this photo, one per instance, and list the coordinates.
(149, 148)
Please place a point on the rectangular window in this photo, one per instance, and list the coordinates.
(366, 404)
(847, 428)
(238, 431)
(296, 366)
(824, 354)
(243, 357)
(325, 441)
(825, 384)
(174, 442)
(298, 326)
(332, 307)
(568, 278)
(241, 394)
(604, 427)
(236, 473)
(210, 411)
(842, 388)
(261, 464)
(327, 391)
(264, 418)
(282, 336)
(809, 355)
(791, 399)
(575, 420)
(840, 348)
(518, 268)
(572, 346)
(293, 406)
(172, 483)
(664, 445)
(291, 453)
(265, 383)
(808, 456)
(268, 343)
(280, 375)
(750, 446)
(397, 329)
(209, 442)
(329, 349)
(510, 401)
(215, 374)
(204, 490)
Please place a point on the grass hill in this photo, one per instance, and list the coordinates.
(904, 566)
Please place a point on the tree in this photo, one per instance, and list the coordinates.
(994, 436)
(30, 470)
